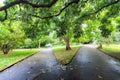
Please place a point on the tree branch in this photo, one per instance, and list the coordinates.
(50, 5)
(76, 1)
(60, 11)
(10, 5)
(112, 3)
(27, 2)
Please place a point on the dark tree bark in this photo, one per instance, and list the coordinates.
(100, 46)
(6, 51)
(66, 40)
(6, 48)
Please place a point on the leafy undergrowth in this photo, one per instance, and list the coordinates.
(112, 50)
(15, 56)
(63, 56)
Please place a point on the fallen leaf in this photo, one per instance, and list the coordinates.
(71, 68)
(63, 67)
(49, 70)
(43, 71)
(62, 79)
(100, 77)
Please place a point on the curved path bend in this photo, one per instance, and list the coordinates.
(88, 64)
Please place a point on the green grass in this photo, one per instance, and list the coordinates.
(112, 50)
(15, 56)
(63, 56)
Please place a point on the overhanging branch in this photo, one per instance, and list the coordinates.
(85, 15)
(60, 11)
(51, 4)
(112, 3)
(4, 8)
(27, 2)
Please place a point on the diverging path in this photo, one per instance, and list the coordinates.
(88, 64)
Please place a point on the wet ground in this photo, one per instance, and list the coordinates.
(88, 64)
(42, 63)
(91, 64)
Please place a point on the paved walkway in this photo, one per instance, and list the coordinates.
(91, 64)
(39, 64)
(88, 64)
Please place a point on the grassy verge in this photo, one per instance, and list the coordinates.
(112, 50)
(63, 56)
(14, 56)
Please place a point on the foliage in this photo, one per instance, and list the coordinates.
(105, 31)
(91, 31)
(63, 18)
(115, 37)
(77, 31)
(11, 36)
(61, 28)
(28, 43)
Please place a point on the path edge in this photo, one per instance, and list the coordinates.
(74, 55)
(19, 61)
(106, 53)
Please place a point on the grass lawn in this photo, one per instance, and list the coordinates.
(15, 56)
(112, 50)
(63, 56)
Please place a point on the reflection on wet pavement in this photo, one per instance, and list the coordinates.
(91, 64)
(88, 64)
(39, 64)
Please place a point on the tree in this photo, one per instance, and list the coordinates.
(91, 32)
(10, 36)
(37, 30)
(73, 13)
(62, 31)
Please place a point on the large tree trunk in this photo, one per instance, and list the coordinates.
(6, 48)
(100, 45)
(67, 43)
(6, 51)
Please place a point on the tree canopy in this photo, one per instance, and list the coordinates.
(70, 20)
(52, 8)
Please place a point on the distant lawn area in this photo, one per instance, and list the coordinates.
(112, 50)
(15, 56)
(63, 56)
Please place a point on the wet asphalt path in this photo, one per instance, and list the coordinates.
(91, 64)
(88, 64)
(42, 63)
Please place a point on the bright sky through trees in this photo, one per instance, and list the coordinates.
(1, 1)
